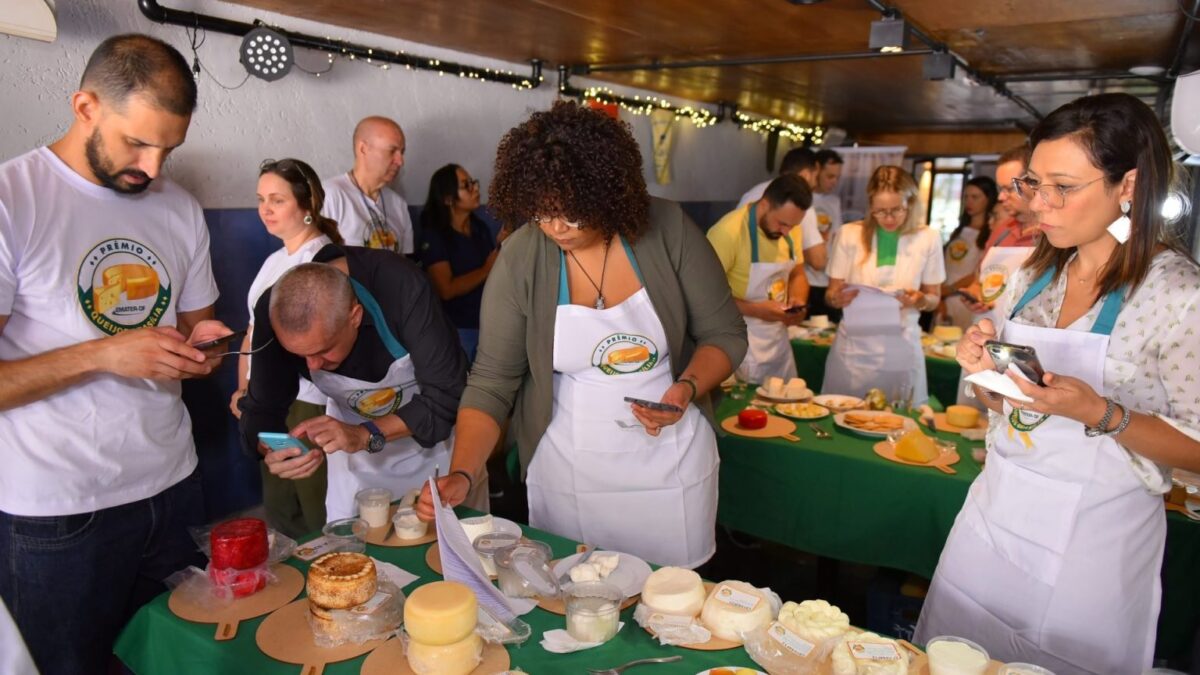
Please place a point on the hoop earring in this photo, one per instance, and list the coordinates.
(308, 219)
(1121, 227)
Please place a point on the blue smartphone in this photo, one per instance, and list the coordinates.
(277, 441)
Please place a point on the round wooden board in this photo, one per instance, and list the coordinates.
(390, 660)
(940, 423)
(919, 665)
(288, 584)
(286, 636)
(777, 427)
(885, 450)
(714, 644)
(386, 535)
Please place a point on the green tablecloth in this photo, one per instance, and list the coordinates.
(837, 498)
(156, 641)
(941, 373)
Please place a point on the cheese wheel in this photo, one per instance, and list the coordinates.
(675, 591)
(915, 446)
(341, 580)
(962, 416)
(842, 662)
(730, 621)
(948, 333)
(474, 527)
(458, 658)
(440, 613)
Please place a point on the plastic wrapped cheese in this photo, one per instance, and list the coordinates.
(458, 658)
(674, 591)
(844, 663)
(734, 608)
(814, 620)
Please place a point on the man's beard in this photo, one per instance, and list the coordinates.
(101, 167)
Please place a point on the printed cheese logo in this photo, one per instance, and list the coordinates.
(376, 403)
(777, 291)
(123, 285)
(992, 281)
(823, 222)
(621, 354)
(958, 249)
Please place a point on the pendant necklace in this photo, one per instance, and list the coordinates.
(603, 268)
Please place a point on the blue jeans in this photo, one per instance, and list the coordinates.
(469, 338)
(73, 582)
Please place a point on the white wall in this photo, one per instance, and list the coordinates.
(446, 119)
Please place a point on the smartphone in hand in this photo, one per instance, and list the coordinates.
(1024, 358)
(277, 442)
(795, 309)
(235, 336)
(654, 405)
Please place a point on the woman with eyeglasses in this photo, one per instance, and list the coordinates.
(290, 197)
(1055, 556)
(965, 247)
(898, 261)
(457, 249)
(608, 294)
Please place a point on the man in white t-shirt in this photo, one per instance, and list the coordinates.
(105, 285)
(827, 205)
(367, 211)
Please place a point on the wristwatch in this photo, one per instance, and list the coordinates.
(377, 441)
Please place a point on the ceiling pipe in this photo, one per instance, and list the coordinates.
(585, 69)
(992, 82)
(165, 15)
(1080, 76)
(1164, 93)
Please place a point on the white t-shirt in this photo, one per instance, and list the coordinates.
(357, 215)
(272, 268)
(79, 262)
(918, 260)
(828, 208)
(809, 233)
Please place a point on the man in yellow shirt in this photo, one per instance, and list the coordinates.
(761, 249)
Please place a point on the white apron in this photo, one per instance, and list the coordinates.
(769, 353)
(593, 481)
(1055, 556)
(962, 259)
(402, 464)
(884, 357)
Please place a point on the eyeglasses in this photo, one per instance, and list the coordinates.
(898, 212)
(1054, 196)
(546, 220)
(469, 184)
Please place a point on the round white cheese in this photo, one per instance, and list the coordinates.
(480, 525)
(675, 591)
(845, 664)
(814, 620)
(735, 608)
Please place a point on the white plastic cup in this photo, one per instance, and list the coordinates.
(949, 655)
(374, 506)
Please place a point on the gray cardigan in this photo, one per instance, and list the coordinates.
(514, 366)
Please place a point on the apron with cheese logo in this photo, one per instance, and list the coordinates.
(402, 464)
(769, 353)
(962, 259)
(615, 486)
(1055, 556)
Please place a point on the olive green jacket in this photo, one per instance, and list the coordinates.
(514, 364)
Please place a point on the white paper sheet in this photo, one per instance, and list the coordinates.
(870, 312)
(999, 383)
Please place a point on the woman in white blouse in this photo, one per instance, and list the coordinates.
(897, 262)
(1055, 556)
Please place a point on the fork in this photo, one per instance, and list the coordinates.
(620, 669)
(820, 433)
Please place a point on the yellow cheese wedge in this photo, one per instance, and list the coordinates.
(106, 298)
(628, 355)
(962, 416)
(440, 613)
(458, 658)
(916, 447)
(948, 333)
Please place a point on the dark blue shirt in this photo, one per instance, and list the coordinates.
(464, 254)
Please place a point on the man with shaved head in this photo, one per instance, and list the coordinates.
(367, 329)
(105, 286)
(368, 212)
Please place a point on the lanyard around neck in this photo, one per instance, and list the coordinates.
(378, 220)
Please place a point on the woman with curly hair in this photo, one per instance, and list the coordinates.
(611, 294)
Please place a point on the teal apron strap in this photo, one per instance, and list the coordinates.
(393, 345)
(751, 227)
(1108, 312)
(1036, 287)
(791, 250)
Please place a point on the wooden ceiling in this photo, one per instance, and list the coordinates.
(1000, 38)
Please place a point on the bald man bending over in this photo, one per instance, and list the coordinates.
(368, 212)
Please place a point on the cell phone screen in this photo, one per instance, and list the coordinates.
(1023, 358)
(232, 337)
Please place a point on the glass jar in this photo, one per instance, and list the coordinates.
(524, 570)
(486, 546)
(348, 534)
(593, 610)
(408, 525)
(374, 506)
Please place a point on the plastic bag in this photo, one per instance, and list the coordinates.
(281, 546)
(431, 660)
(671, 629)
(781, 652)
(378, 618)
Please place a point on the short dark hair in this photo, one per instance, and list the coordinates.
(1020, 154)
(306, 190)
(797, 160)
(310, 294)
(829, 157)
(125, 65)
(789, 188)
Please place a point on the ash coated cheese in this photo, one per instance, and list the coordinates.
(458, 658)
(962, 416)
(674, 591)
(814, 620)
(440, 613)
(735, 608)
(868, 654)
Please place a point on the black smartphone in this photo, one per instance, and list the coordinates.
(1024, 358)
(232, 337)
(965, 295)
(795, 309)
(654, 405)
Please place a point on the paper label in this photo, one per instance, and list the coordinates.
(373, 604)
(789, 640)
(873, 651)
(667, 620)
(730, 596)
(314, 549)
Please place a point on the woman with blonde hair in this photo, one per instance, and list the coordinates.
(885, 270)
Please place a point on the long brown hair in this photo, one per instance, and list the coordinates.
(307, 190)
(1119, 133)
(891, 179)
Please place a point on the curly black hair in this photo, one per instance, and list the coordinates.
(573, 162)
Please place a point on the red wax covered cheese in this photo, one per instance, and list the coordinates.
(239, 544)
(752, 418)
